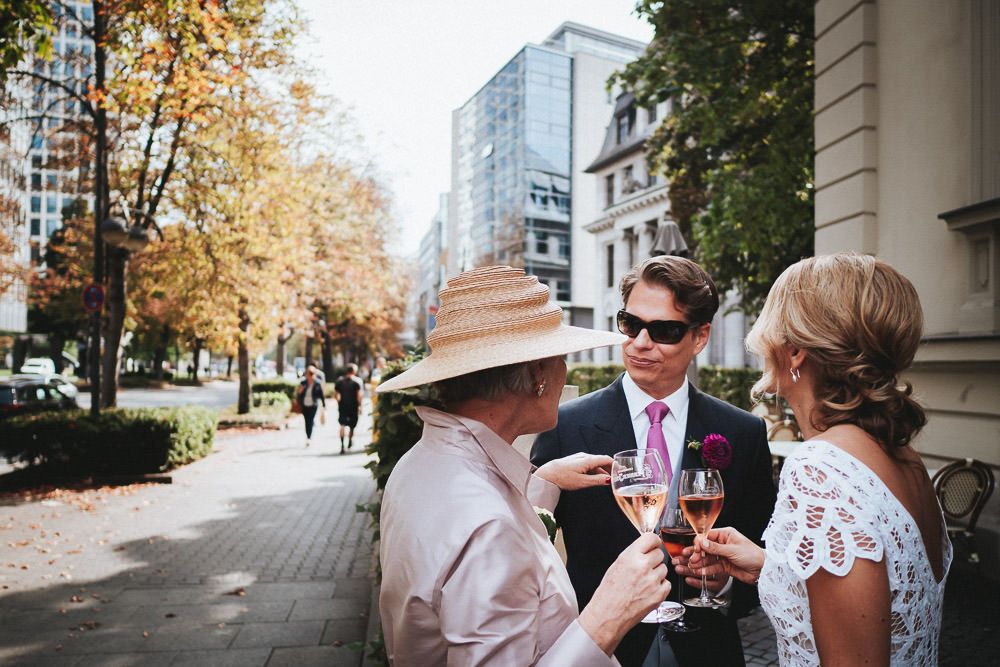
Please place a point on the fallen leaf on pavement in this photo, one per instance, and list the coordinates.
(239, 591)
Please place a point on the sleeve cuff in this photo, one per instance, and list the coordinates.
(575, 647)
(542, 493)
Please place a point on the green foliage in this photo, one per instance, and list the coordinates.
(732, 385)
(25, 26)
(737, 148)
(396, 429)
(130, 441)
(286, 387)
(277, 399)
(591, 377)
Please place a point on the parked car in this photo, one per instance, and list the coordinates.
(39, 365)
(28, 393)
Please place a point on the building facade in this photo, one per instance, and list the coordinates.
(432, 267)
(58, 173)
(633, 223)
(908, 168)
(515, 182)
(14, 140)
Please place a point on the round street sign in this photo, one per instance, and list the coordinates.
(93, 297)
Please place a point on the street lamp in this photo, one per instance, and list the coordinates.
(116, 232)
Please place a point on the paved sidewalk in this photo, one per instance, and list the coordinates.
(253, 556)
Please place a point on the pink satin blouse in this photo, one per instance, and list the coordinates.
(469, 576)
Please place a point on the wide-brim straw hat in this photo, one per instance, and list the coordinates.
(494, 316)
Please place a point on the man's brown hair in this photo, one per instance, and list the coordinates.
(695, 294)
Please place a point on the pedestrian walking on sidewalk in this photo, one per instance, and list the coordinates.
(348, 392)
(309, 396)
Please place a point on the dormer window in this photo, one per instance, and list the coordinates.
(624, 124)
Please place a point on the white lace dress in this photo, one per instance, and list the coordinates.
(832, 509)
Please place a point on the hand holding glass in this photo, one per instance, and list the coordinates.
(640, 489)
(676, 534)
(701, 496)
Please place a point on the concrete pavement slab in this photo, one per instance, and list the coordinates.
(208, 569)
(315, 656)
(297, 633)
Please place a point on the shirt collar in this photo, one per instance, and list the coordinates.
(638, 400)
(514, 467)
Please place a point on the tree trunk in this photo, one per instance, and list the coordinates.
(229, 366)
(56, 342)
(243, 364)
(160, 353)
(111, 362)
(198, 343)
(100, 201)
(83, 355)
(279, 354)
(309, 350)
(21, 345)
(327, 352)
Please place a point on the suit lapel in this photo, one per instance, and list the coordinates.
(609, 430)
(696, 428)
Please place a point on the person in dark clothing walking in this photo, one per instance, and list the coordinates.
(348, 392)
(309, 396)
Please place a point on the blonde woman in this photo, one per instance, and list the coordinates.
(469, 576)
(856, 551)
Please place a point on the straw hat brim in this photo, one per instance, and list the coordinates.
(507, 349)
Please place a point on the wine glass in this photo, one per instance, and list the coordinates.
(701, 495)
(676, 534)
(640, 489)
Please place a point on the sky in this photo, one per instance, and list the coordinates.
(400, 67)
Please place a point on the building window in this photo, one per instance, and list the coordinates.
(562, 290)
(50, 204)
(36, 204)
(36, 181)
(609, 251)
(651, 179)
(564, 246)
(609, 189)
(651, 114)
(624, 124)
(51, 182)
(36, 226)
(542, 243)
(51, 225)
(611, 324)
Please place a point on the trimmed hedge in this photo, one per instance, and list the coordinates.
(591, 377)
(271, 399)
(730, 384)
(126, 442)
(286, 387)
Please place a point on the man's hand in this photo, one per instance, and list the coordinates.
(577, 471)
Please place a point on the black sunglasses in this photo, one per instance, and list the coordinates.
(668, 332)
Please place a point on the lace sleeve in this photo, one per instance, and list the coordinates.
(823, 518)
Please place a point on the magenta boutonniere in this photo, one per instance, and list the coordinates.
(715, 451)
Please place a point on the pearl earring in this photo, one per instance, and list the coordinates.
(541, 388)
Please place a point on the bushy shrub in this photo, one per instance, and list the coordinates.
(277, 399)
(591, 377)
(130, 441)
(730, 384)
(286, 387)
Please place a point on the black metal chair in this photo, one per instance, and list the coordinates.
(962, 488)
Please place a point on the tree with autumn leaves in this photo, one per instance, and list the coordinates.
(254, 215)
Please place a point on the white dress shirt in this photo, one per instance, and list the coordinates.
(674, 423)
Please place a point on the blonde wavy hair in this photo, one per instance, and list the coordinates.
(860, 322)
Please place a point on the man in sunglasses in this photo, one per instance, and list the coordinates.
(669, 303)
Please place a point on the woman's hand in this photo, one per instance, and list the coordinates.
(577, 471)
(632, 587)
(725, 551)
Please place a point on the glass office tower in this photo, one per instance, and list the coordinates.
(511, 176)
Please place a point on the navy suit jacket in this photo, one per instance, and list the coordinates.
(596, 531)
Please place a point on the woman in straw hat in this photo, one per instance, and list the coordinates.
(468, 573)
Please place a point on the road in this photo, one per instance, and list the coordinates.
(215, 394)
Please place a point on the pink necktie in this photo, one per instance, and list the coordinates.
(655, 440)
